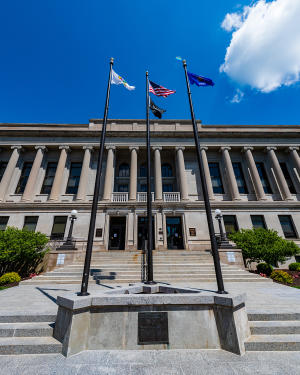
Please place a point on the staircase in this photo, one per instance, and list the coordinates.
(125, 267)
(274, 332)
(28, 335)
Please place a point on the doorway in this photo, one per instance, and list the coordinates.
(174, 233)
(117, 229)
(143, 232)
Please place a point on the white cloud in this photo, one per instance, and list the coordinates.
(264, 51)
(237, 97)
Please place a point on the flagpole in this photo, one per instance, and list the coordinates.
(149, 278)
(213, 240)
(89, 246)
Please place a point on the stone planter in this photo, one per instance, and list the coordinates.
(152, 317)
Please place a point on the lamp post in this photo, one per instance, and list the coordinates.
(223, 243)
(69, 244)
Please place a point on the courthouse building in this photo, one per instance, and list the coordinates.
(47, 170)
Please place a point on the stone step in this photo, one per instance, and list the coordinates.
(270, 316)
(36, 329)
(29, 345)
(138, 272)
(273, 343)
(27, 318)
(275, 327)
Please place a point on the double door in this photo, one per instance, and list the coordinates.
(174, 233)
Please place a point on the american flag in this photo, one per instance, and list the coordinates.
(159, 90)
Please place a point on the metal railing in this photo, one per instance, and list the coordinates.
(171, 197)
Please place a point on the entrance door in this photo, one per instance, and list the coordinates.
(117, 229)
(174, 233)
(143, 232)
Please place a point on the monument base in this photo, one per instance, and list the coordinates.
(152, 317)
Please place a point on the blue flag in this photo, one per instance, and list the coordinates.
(199, 80)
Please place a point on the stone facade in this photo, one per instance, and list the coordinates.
(252, 174)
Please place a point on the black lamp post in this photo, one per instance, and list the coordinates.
(223, 243)
(70, 244)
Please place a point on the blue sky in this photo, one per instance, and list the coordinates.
(55, 59)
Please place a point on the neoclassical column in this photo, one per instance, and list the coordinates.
(283, 187)
(133, 173)
(56, 187)
(182, 175)
(235, 195)
(9, 170)
(109, 173)
(84, 176)
(32, 179)
(210, 191)
(259, 190)
(293, 150)
(157, 173)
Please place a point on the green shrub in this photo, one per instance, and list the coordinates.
(263, 245)
(9, 278)
(294, 266)
(265, 268)
(281, 277)
(21, 250)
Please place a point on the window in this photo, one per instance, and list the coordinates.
(288, 178)
(230, 223)
(124, 170)
(49, 178)
(239, 175)
(3, 222)
(166, 170)
(123, 188)
(24, 177)
(167, 188)
(264, 179)
(59, 226)
(2, 169)
(143, 188)
(287, 226)
(258, 221)
(216, 178)
(74, 178)
(30, 223)
(143, 170)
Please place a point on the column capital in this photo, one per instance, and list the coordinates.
(224, 148)
(133, 148)
(292, 148)
(270, 148)
(177, 148)
(91, 148)
(43, 148)
(17, 147)
(110, 147)
(205, 148)
(65, 147)
(246, 148)
(159, 148)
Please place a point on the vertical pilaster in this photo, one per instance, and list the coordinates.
(210, 191)
(84, 176)
(235, 195)
(283, 187)
(56, 187)
(108, 183)
(157, 173)
(6, 179)
(295, 156)
(32, 179)
(133, 173)
(182, 175)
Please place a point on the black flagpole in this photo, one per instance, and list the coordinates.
(89, 246)
(213, 240)
(149, 278)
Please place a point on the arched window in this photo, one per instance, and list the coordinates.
(143, 170)
(124, 170)
(166, 170)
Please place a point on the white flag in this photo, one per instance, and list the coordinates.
(118, 80)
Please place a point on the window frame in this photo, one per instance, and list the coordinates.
(239, 168)
(167, 167)
(58, 235)
(3, 166)
(47, 177)
(73, 189)
(264, 177)
(291, 221)
(288, 177)
(23, 178)
(2, 217)
(124, 172)
(263, 221)
(236, 225)
(35, 224)
(217, 167)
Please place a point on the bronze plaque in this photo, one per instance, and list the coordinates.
(192, 232)
(153, 328)
(98, 232)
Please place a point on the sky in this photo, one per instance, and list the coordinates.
(55, 56)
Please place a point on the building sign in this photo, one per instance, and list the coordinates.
(192, 232)
(230, 256)
(60, 259)
(99, 232)
(153, 328)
